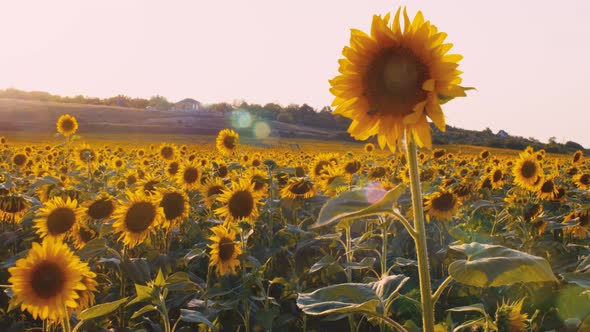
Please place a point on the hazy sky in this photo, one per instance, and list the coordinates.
(528, 59)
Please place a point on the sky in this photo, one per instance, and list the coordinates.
(527, 59)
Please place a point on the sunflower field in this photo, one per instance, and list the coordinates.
(133, 236)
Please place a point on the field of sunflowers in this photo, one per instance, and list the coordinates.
(229, 237)
(132, 236)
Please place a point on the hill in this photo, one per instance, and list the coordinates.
(292, 121)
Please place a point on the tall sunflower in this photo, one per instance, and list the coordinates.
(137, 217)
(527, 172)
(49, 280)
(58, 217)
(67, 125)
(394, 78)
(240, 202)
(227, 141)
(224, 250)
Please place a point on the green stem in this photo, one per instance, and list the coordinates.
(386, 319)
(420, 240)
(164, 313)
(441, 288)
(66, 322)
(384, 233)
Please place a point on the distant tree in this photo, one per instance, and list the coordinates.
(160, 102)
(573, 145)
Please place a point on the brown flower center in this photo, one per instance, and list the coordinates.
(226, 249)
(190, 175)
(140, 216)
(167, 152)
(528, 169)
(101, 208)
(393, 82)
(19, 159)
(173, 204)
(60, 220)
(47, 279)
(229, 141)
(67, 125)
(241, 204)
(445, 202)
(301, 187)
(214, 190)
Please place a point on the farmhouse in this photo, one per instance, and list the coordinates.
(187, 105)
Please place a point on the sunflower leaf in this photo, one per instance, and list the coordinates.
(102, 309)
(492, 265)
(339, 299)
(358, 203)
(191, 316)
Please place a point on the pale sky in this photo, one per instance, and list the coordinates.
(528, 59)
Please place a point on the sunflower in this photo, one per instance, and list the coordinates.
(82, 234)
(188, 175)
(175, 204)
(240, 202)
(509, 317)
(321, 164)
(298, 188)
(210, 190)
(393, 79)
(442, 205)
(548, 190)
(578, 157)
(351, 167)
(369, 147)
(527, 172)
(497, 178)
(13, 207)
(101, 208)
(49, 280)
(582, 180)
(149, 185)
(227, 141)
(58, 217)
(581, 230)
(258, 178)
(86, 156)
(168, 151)
(19, 160)
(333, 182)
(118, 163)
(224, 250)
(137, 217)
(67, 125)
(172, 168)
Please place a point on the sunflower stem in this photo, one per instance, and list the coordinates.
(420, 239)
(66, 322)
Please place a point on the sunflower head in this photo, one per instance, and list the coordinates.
(175, 204)
(527, 172)
(393, 78)
(442, 205)
(12, 206)
(224, 250)
(67, 125)
(240, 202)
(578, 157)
(582, 180)
(137, 217)
(298, 188)
(168, 151)
(49, 280)
(210, 190)
(189, 175)
(100, 208)
(227, 141)
(58, 217)
(509, 317)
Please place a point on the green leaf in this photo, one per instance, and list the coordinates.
(143, 293)
(492, 265)
(322, 263)
(160, 280)
(102, 309)
(358, 203)
(339, 299)
(191, 316)
(142, 311)
(93, 248)
(580, 279)
(388, 287)
(366, 263)
(473, 307)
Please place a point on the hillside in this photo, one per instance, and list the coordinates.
(290, 122)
